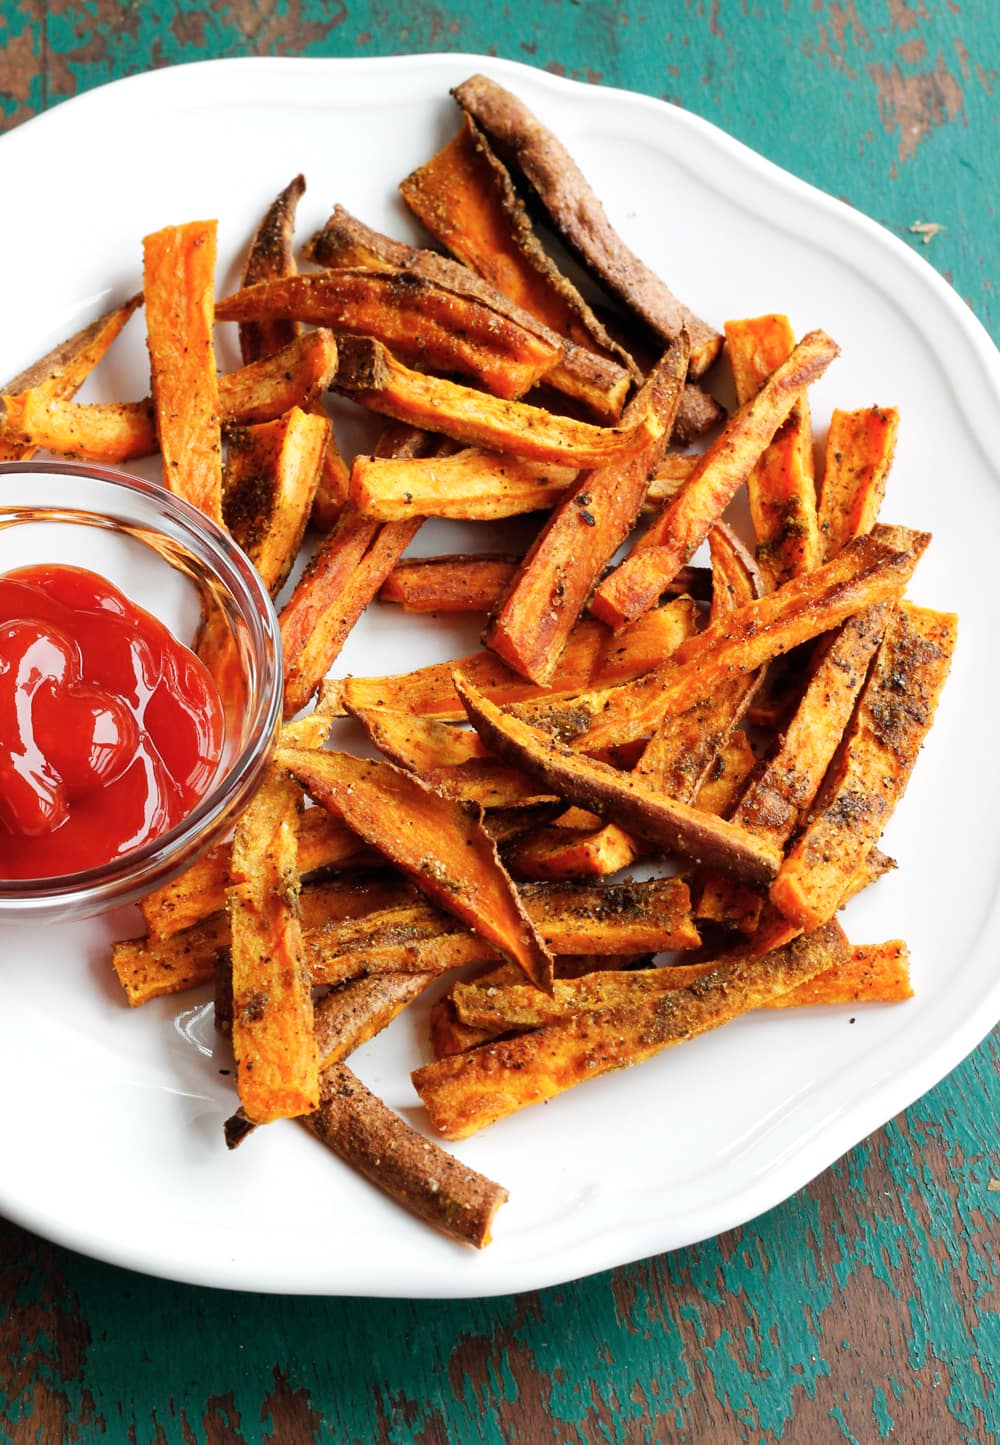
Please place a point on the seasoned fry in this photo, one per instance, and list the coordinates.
(421, 321)
(592, 658)
(470, 485)
(271, 253)
(179, 281)
(59, 374)
(895, 710)
(624, 798)
(579, 218)
(277, 1065)
(271, 475)
(417, 1174)
(433, 840)
(371, 375)
(465, 198)
(674, 536)
(781, 489)
(871, 569)
(464, 1093)
(449, 583)
(532, 623)
(557, 851)
(859, 449)
(121, 431)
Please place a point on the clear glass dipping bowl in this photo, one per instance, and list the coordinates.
(170, 559)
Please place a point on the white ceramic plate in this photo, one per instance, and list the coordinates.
(112, 1132)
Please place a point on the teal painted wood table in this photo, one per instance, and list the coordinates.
(867, 1306)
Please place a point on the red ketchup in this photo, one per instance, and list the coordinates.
(110, 729)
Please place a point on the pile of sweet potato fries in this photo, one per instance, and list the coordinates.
(746, 727)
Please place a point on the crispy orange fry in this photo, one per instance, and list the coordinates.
(673, 537)
(271, 475)
(271, 253)
(871, 569)
(464, 1093)
(624, 798)
(895, 709)
(433, 840)
(277, 1064)
(593, 657)
(859, 451)
(62, 371)
(470, 485)
(371, 375)
(532, 623)
(781, 489)
(418, 319)
(179, 282)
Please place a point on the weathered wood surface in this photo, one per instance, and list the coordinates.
(868, 1306)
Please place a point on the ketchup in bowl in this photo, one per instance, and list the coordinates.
(110, 728)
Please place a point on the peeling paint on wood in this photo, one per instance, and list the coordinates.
(867, 1307)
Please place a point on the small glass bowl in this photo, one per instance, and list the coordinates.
(170, 559)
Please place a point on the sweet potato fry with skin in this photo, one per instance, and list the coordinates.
(277, 1065)
(433, 840)
(418, 744)
(465, 1093)
(874, 973)
(871, 569)
(178, 282)
(271, 475)
(533, 620)
(419, 1175)
(470, 485)
(866, 780)
(346, 242)
(675, 535)
(120, 431)
(579, 218)
(59, 374)
(419, 320)
(465, 198)
(371, 375)
(781, 489)
(271, 253)
(623, 798)
(859, 451)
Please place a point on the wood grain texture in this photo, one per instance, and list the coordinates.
(865, 1308)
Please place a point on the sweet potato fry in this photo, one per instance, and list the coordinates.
(419, 1175)
(781, 488)
(871, 569)
(465, 198)
(533, 620)
(554, 852)
(271, 475)
(433, 840)
(178, 281)
(874, 973)
(673, 537)
(271, 253)
(859, 451)
(469, 485)
(342, 577)
(894, 711)
(579, 218)
(277, 1065)
(418, 319)
(120, 431)
(623, 798)
(458, 583)
(464, 1093)
(59, 374)
(592, 657)
(371, 375)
